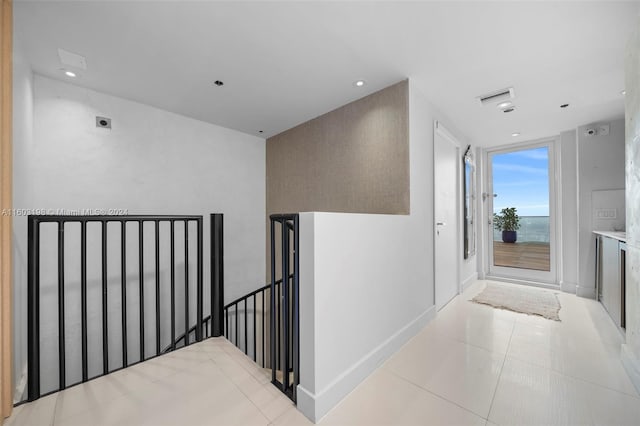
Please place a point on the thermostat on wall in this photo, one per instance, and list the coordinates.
(103, 122)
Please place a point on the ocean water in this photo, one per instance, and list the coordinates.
(532, 229)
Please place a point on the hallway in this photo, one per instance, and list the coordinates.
(470, 364)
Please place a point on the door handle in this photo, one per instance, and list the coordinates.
(440, 223)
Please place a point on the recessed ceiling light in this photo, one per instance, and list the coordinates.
(359, 83)
(503, 105)
(218, 83)
(564, 105)
(70, 73)
(514, 134)
(624, 92)
(260, 131)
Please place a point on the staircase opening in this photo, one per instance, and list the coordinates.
(108, 292)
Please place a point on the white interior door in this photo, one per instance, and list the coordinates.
(446, 226)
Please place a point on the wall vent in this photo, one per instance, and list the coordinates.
(497, 96)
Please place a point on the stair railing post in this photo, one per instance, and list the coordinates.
(217, 275)
(33, 307)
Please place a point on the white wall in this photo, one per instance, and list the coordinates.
(366, 281)
(22, 141)
(150, 162)
(568, 266)
(600, 165)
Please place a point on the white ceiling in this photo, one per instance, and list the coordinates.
(284, 63)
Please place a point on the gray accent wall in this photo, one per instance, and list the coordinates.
(354, 159)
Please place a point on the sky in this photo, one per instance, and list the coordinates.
(521, 180)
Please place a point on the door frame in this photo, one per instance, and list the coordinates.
(440, 130)
(6, 117)
(553, 277)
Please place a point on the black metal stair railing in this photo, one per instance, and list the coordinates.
(217, 285)
(249, 323)
(264, 323)
(285, 312)
(60, 287)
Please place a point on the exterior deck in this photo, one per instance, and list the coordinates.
(527, 255)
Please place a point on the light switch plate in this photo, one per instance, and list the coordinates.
(606, 213)
(603, 130)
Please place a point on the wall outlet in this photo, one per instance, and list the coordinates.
(603, 130)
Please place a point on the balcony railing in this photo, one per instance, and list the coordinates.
(533, 229)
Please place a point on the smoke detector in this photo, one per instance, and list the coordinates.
(498, 97)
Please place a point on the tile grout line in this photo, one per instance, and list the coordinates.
(575, 377)
(432, 393)
(238, 387)
(495, 391)
(269, 421)
(55, 410)
(579, 379)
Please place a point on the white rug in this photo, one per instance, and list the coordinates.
(525, 300)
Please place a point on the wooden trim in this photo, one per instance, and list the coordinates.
(6, 107)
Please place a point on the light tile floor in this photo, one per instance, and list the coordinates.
(471, 365)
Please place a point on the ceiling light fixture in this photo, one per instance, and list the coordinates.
(503, 105)
(359, 83)
(70, 73)
(218, 83)
(515, 134)
(564, 105)
(624, 92)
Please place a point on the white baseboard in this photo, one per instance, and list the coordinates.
(306, 403)
(588, 292)
(469, 280)
(631, 364)
(315, 406)
(568, 287)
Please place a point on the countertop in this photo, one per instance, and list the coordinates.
(616, 235)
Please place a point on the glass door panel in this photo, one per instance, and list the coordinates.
(521, 238)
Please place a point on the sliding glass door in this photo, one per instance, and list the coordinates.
(520, 203)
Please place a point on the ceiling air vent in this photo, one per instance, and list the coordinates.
(72, 59)
(497, 96)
